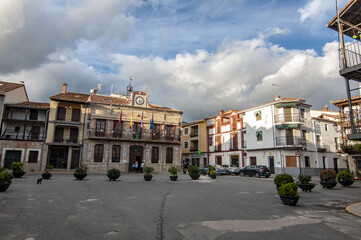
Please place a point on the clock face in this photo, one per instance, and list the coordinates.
(139, 100)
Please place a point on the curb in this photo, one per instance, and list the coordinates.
(348, 209)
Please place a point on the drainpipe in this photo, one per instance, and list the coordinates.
(315, 139)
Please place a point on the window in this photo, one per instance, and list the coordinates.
(75, 116)
(259, 136)
(59, 133)
(304, 135)
(233, 122)
(156, 132)
(185, 144)
(73, 135)
(116, 153)
(98, 153)
(253, 161)
(210, 141)
(155, 154)
(307, 161)
(258, 115)
(218, 126)
(218, 144)
(17, 129)
(60, 115)
(169, 155)
(318, 139)
(33, 114)
(186, 131)
(35, 132)
(234, 141)
(336, 144)
(33, 156)
(194, 131)
(219, 160)
(117, 129)
(169, 132)
(100, 128)
(326, 127)
(302, 114)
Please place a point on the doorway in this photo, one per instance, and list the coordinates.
(10, 157)
(235, 160)
(135, 155)
(271, 162)
(335, 165)
(75, 158)
(58, 156)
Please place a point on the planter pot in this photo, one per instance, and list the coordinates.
(306, 187)
(148, 177)
(346, 183)
(18, 174)
(79, 176)
(173, 178)
(46, 176)
(289, 200)
(213, 176)
(328, 185)
(194, 176)
(4, 186)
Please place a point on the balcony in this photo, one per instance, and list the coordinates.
(218, 148)
(352, 68)
(290, 142)
(13, 135)
(194, 149)
(68, 141)
(323, 148)
(194, 134)
(289, 118)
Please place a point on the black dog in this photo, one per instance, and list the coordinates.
(39, 181)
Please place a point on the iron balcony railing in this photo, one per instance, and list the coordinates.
(346, 120)
(289, 141)
(323, 148)
(289, 118)
(352, 55)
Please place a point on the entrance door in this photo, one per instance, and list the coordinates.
(10, 157)
(75, 158)
(204, 161)
(58, 157)
(271, 162)
(335, 165)
(195, 161)
(135, 155)
(253, 160)
(235, 160)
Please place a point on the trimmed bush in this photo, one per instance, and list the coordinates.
(193, 170)
(288, 189)
(17, 167)
(203, 171)
(173, 171)
(344, 176)
(328, 176)
(6, 177)
(304, 179)
(282, 179)
(113, 174)
(148, 171)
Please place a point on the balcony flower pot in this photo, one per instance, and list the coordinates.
(213, 174)
(148, 177)
(345, 183)
(194, 176)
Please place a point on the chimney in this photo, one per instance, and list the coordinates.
(325, 108)
(278, 98)
(221, 112)
(95, 91)
(64, 87)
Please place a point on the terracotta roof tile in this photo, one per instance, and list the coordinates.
(140, 93)
(71, 97)
(7, 86)
(345, 100)
(33, 105)
(109, 100)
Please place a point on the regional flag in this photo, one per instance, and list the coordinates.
(151, 122)
(120, 118)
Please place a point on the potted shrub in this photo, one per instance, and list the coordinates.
(345, 178)
(210, 169)
(47, 174)
(113, 174)
(18, 169)
(328, 179)
(80, 173)
(288, 194)
(5, 180)
(203, 172)
(213, 174)
(282, 179)
(148, 173)
(304, 182)
(173, 171)
(193, 172)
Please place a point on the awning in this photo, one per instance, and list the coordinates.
(285, 105)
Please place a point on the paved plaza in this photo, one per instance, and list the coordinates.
(229, 207)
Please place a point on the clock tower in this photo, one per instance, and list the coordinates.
(139, 99)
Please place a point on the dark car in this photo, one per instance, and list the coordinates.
(255, 170)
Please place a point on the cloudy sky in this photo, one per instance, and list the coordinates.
(198, 56)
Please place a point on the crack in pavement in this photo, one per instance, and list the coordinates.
(160, 228)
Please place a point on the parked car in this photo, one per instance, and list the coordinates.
(231, 169)
(219, 169)
(255, 170)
